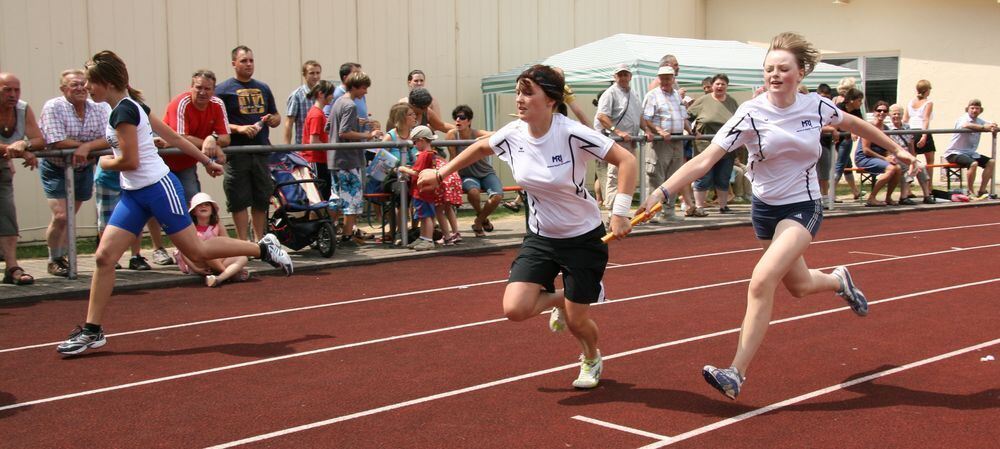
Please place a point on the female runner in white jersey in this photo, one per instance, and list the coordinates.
(148, 190)
(781, 130)
(548, 155)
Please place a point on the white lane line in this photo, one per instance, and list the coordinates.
(622, 428)
(874, 254)
(469, 325)
(465, 286)
(447, 394)
(813, 394)
(612, 264)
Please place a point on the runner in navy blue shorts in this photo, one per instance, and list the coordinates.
(781, 129)
(148, 190)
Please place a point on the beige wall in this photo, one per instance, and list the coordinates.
(456, 42)
(952, 44)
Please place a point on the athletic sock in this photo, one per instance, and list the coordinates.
(92, 328)
(265, 255)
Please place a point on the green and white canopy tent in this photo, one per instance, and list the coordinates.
(588, 68)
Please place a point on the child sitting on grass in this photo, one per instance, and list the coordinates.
(205, 215)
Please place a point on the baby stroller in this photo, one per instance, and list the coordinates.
(300, 217)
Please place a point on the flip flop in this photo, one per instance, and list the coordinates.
(487, 226)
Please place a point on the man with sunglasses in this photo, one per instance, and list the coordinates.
(477, 177)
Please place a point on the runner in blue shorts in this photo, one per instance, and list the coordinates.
(781, 130)
(148, 190)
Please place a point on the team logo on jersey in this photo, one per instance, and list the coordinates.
(557, 158)
(807, 125)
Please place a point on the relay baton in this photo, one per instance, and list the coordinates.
(641, 218)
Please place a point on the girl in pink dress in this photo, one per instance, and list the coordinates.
(205, 215)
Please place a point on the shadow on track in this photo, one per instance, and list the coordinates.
(249, 350)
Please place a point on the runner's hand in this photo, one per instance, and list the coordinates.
(214, 169)
(620, 226)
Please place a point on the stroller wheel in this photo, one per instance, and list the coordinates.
(326, 240)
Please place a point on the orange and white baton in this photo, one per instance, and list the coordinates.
(641, 218)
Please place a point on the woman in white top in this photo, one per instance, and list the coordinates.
(918, 115)
(781, 129)
(548, 155)
(149, 189)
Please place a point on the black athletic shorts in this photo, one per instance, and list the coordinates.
(765, 217)
(581, 260)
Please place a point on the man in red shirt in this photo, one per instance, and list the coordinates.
(200, 117)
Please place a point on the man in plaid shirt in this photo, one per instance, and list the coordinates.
(72, 120)
(298, 105)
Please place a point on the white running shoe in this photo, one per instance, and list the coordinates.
(272, 253)
(590, 372)
(557, 320)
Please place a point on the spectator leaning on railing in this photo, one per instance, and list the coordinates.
(19, 134)
(962, 149)
(70, 121)
(200, 117)
(709, 113)
(477, 177)
(664, 115)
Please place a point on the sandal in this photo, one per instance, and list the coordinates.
(478, 230)
(511, 206)
(700, 212)
(487, 226)
(21, 279)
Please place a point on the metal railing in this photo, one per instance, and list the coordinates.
(67, 156)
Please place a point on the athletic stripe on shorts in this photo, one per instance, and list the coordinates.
(817, 212)
(175, 202)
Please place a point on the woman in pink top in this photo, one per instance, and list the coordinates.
(205, 215)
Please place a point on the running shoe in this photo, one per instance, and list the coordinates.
(160, 257)
(590, 372)
(726, 380)
(271, 252)
(850, 293)
(557, 321)
(80, 340)
(138, 263)
(423, 245)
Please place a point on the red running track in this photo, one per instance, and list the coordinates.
(371, 364)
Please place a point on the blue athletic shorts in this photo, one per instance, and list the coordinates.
(765, 217)
(163, 199)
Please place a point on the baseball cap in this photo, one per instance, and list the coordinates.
(622, 68)
(421, 132)
(666, 70)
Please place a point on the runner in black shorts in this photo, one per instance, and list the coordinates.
(548, 155)
(781, 130)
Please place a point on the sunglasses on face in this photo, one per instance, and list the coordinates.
(881, 111)
(461, 117)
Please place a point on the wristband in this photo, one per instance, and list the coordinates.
(665, 192)
(439, 178)
(622, 205)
